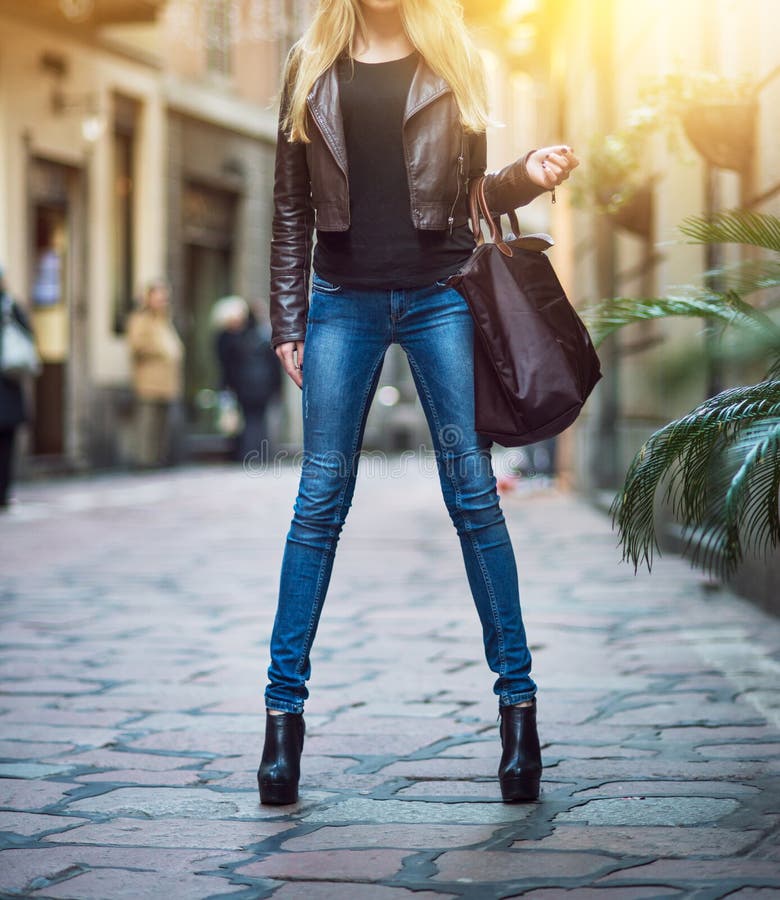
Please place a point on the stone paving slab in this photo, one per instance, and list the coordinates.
(121, 884)
(659, 840)
(57, 871)
(136, 612)
(187, 833)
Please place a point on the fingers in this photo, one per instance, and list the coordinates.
(550, 178)
(286, 353)
(566, 153)
(552, 172)
(558, 163)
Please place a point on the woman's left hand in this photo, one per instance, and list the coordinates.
(549, 166)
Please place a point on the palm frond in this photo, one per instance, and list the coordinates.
(774, 370)
(735, 226)
(747, 276)
(741, 349)
(744, 515)
(606, 316)
(684, 450)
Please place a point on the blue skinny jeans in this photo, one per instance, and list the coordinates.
(347, 334)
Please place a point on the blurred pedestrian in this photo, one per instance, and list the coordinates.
(249, 369)
(13, 406)
(537, 460)
(157, 353)
(382, 127)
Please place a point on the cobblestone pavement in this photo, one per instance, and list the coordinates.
(136, 613)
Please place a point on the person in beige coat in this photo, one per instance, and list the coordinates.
(157, 353)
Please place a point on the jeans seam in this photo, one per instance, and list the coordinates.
(491, 594)
(510, 699)
(319, 289)
(332, 543)
(472, 539)
(324, 286)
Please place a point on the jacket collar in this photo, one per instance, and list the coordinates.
(324, 105)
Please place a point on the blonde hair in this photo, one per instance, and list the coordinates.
(435, 28)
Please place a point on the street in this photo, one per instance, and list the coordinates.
(136, 614)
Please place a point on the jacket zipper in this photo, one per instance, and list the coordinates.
(451, 217)
(404, 122)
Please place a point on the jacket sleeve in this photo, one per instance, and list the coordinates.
(510, 187)
(291, 237)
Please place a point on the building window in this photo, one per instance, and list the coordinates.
(295, 16)
(219, 35)
(123, 214)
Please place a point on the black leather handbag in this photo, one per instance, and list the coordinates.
(534, 361)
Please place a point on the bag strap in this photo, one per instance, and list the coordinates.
(478, 204)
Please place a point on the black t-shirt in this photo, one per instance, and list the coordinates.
(382, 248)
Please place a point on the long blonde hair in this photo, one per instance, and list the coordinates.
(435, 28)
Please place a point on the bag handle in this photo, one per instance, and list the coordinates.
(539, 241)
(478, 203)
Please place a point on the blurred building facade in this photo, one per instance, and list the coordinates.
(590, 62)
(71, 111)
(604, 53)
(574, 70)
(136, 142)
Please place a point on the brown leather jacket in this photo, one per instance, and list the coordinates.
(311, 187)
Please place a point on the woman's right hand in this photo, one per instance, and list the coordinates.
(287, 353)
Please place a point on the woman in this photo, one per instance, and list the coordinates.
(157, 352)
(382, 126)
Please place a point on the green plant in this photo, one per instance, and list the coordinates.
(721, 461)
(617, 165)
(675, 92)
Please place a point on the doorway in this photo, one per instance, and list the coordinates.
(209, 225)
(57, 296)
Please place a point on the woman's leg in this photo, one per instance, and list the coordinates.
(346, 338)
(437, 334)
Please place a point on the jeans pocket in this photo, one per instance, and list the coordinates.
(324, 287)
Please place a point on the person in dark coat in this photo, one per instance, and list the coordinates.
(250, 369)
(13, 409)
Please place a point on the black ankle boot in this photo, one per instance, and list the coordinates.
(520, 770)
(280, 766)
